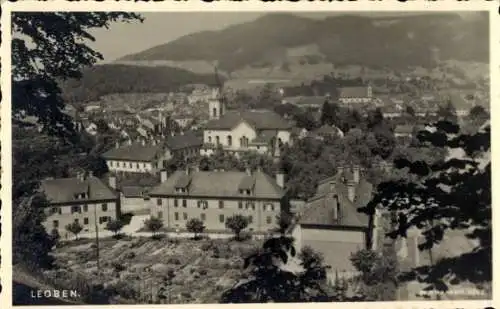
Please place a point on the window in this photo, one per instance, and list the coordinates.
(103, 220)
(111, 164)
(203, 217)
(158, 202)
(248, 192)
(137, 165)
(76, 221)
(160, 214)
(185, 216)
(229, 140)
(240, 205)
(123, 164)
(242, 191)
(86, 221)
(176, 216)
(130, 165)
(221, 204)
(184, 203)
(104, 207)
(214, 112)
(244, 142)
(210, 139)
(144, 165)
(55, 224)
(176, 203)
(54, 210)
(75, 209)
(217, 140)
(272, 207)
(250, 205)
(269, 220)
(85, 208)
(198, 204)
(250, 219)
(221, 218)
(264, 207)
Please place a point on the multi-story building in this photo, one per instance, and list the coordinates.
(217, 195)
(330, 222)
(348, 95)
(84, 199)
(250, 130)
(152, 156)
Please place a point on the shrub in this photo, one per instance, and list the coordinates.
(174, 261)
(118, 267)
(203, 272)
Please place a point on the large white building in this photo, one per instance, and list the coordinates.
(250, 130)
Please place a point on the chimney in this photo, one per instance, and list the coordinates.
(336, 207)
(280, 179)
(163, 176)
(355, 173)
(351, 190)
(112, 181)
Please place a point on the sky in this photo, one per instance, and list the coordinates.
(158, 28)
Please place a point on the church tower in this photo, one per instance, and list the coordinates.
(216, 105)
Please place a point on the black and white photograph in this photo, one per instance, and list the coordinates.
(249, 157)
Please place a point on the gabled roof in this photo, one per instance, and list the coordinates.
(135, 152)
(186, 140)
(259, 119)
(353, 92)
(319, 210)
(220, 184)
(62, 190)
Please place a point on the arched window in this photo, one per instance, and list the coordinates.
(217, 140)
(229, 140)
(210, 139)
(214, 112)
(244, 142)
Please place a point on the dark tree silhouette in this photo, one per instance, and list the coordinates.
(449, 194)
(48, 50)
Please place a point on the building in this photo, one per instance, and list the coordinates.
(250, 130)
(327, 131)
(348, 95)
(330, 222)
(216, 195)
(84, 199)
(135, 199)
(306, 102)
(152, 156)
(137, 157)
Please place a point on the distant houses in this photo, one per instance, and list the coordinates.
(349, 95)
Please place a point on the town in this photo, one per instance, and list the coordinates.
(160, 196)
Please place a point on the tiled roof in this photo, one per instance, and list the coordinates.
(134, 191)
(63, 190)
(186, 140)
(221, 184)
(259, 119)
(134, 152)
(353, 92)
(319, 210)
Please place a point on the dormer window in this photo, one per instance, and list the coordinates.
(248, 192)
(181, 190)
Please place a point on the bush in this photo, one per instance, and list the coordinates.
(203, 272)
(118, 267)
(174, 261)
(206, 246)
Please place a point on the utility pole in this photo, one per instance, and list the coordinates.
(97, 238)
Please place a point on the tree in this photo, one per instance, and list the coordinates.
(237, 223)
(153, 224)
(49, 48)
(114, 226)
(410, 111)
(447, 112)
(270, 280)
(75, 228)
(195, 226)
(478, 113)
(379, 273)
(445, 197)
(284, 221)
(31, 245)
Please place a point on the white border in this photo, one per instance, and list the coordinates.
(249, 6)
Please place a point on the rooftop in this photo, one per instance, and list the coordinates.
(259, 119)
(62, 190)
(354, 92)
(134, 152)
(220, 184)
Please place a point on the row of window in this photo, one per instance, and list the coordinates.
(204, 204)
(203, 217)
(229, 139)
(78, 209)
(105, 219)
(124, 164)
